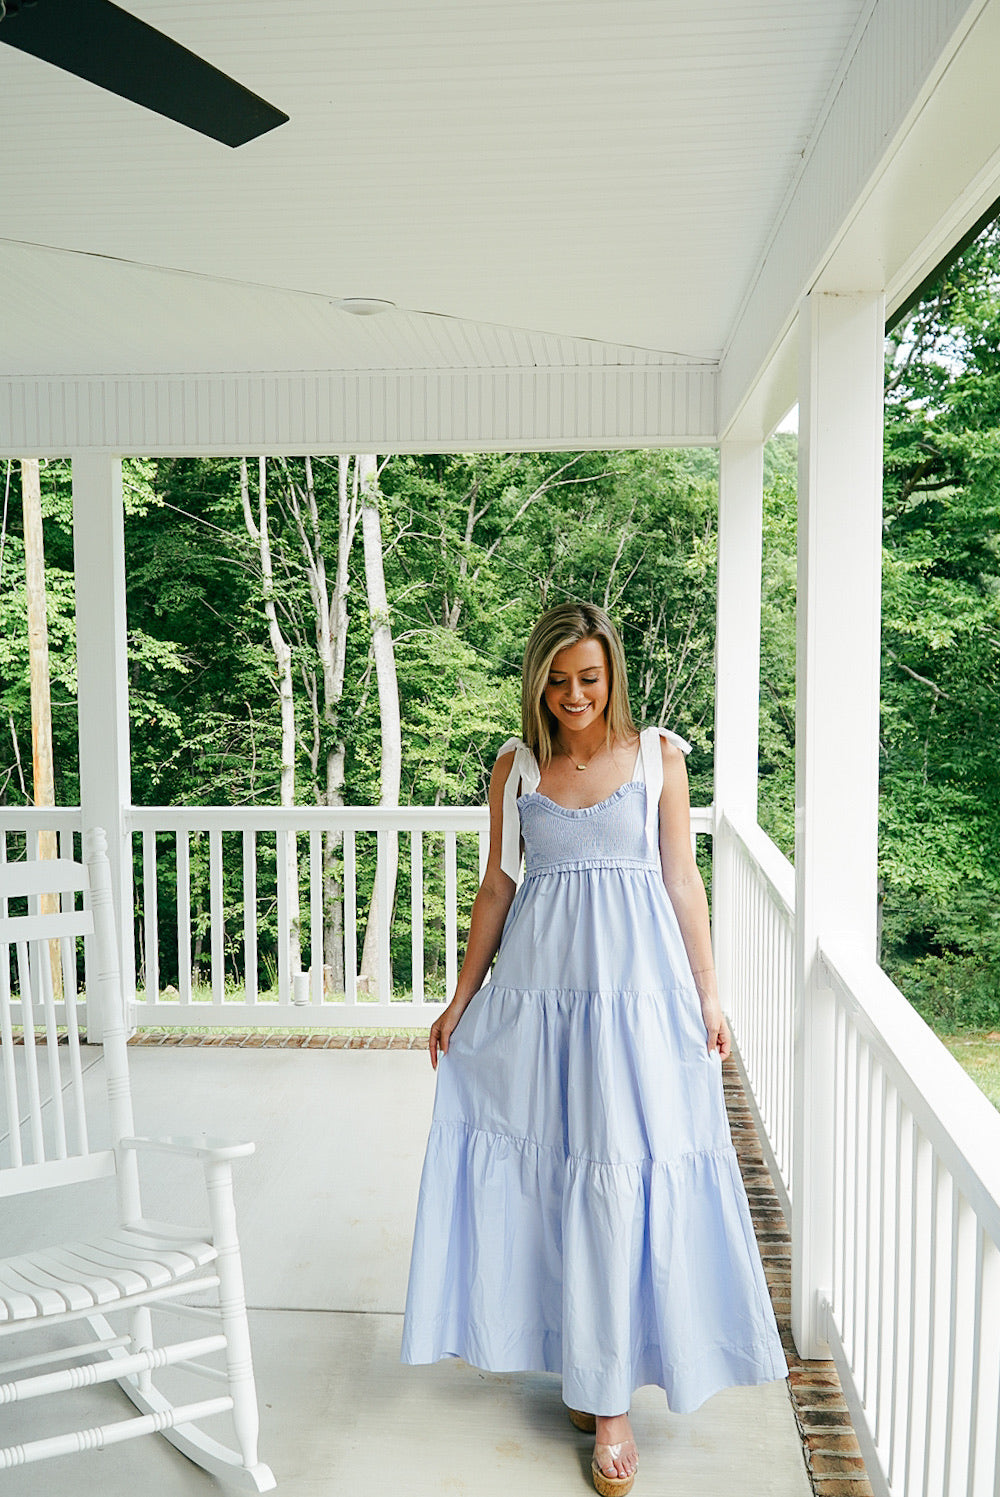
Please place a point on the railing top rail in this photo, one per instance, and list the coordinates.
(40, 818)
(772, 865)
(961, 1123)
(279, 818)
(328, 818)
(702, 819)
(306, 818)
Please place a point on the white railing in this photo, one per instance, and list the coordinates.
(217, 931)
(913, 1320)
(913, 1312)
(760, 983)
(215, 871)
(232, 847)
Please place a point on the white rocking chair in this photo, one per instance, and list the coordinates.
(142, 1268)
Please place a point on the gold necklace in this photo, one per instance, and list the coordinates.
(594, 755)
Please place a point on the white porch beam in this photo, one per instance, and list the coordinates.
(836, 726)
(102, 679)
(369, 410)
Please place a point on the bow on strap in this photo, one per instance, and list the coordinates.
(523, 771)
(652, 773)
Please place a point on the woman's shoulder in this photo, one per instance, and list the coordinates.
(508, 752)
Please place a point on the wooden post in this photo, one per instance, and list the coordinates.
(836, 737)
(43, 770)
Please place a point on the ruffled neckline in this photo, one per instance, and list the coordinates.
(575, 811)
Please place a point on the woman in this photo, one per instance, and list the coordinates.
(581, 1208)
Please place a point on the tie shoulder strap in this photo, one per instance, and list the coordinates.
(652, 773)
(524, 771)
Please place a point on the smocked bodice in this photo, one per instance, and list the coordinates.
(623, 829)
(612, 832)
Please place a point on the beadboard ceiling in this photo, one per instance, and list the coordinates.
(536, 182)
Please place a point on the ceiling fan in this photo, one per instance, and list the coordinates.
(108, 46)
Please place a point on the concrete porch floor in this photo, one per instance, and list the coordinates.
(326, 1208)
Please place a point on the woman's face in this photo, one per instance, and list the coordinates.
(576, 692)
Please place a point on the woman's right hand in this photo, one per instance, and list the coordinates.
(442, 1030)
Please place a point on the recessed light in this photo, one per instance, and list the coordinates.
(363, 306)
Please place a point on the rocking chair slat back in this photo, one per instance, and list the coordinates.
(45, 1095)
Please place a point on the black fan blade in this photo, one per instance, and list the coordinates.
(106, 45)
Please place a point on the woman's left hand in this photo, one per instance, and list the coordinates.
(717, 1028)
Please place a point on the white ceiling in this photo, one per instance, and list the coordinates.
(604, 170)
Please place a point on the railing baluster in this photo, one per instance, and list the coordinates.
(881, 1257)
(11, 1101)
(902, 1285)
(864, 1246)
(984, 1404)
(282, 852)
(383, 932)
(250, 914)
(919, 1383)
(417, 914)
(853, 1102)
(350, 920)
(316, 915)
(217, 916)
(183, 918)
(150, 918)
(934, 1275)
(959, 1385)
(450, 913)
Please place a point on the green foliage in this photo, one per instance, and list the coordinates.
(776, 762)
(940, 803)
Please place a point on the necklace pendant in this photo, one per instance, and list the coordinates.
(581, 766)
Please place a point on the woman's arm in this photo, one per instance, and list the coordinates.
(687, 893)
(489, 911)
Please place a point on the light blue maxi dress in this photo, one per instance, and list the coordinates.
(581, 1208)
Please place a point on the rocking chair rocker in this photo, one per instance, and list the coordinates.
(142, 1268)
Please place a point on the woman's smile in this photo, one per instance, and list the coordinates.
(577, 689)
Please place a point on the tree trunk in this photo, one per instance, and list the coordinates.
(41, 701)
(259, 532)
(333, 690)
(366, 477)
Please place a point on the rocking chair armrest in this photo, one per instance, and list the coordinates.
(209, 1150)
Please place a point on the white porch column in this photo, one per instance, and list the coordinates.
(836, 728)
(102, 678)
(737, 673)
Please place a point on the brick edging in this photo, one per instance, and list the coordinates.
(279, 1040)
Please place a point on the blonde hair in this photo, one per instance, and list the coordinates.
(557, 629)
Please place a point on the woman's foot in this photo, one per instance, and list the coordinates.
(615, 1456)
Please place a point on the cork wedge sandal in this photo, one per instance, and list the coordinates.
(612, 1486)
(586, 1422)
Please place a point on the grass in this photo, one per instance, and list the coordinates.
(978, 1053)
